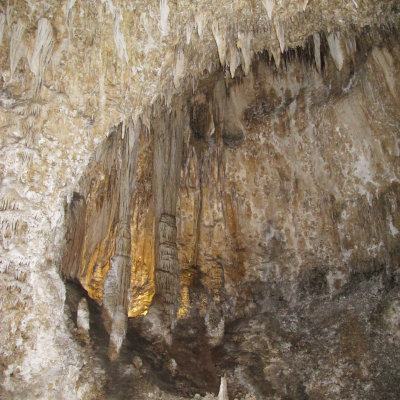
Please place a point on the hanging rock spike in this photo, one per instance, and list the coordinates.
(2, 24)
(220, 39)
(17, 47)
(42, 51)
(317, 51)
(164, 12)
(305, 3)
(200, 21)
(334, 42)
(234, 60)
(280, 33)
(179, 69)
(245, 40)
(277, 56)
(269, 6)
(351, 45)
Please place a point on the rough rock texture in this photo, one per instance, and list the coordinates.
(225, 174)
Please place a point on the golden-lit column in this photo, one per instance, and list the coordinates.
(117, 280)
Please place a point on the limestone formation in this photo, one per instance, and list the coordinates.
(223, 390)
(207, 188)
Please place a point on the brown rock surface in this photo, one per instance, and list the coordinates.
(221, 179)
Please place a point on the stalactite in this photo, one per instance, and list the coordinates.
(245, 41)
(17, 47)
(179, 69)
(317, 51)
(118, 332)
(42, 52)
(269, 6)
(335, 48)
(119, 38)
(200, 20)
(2, 25)
(117, 281)
(234, 59)
(219, 33)
(163, 23)
(280, 33)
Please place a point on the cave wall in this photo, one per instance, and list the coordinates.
(72, 71)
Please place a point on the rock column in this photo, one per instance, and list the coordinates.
(116, 283)
(167, 167)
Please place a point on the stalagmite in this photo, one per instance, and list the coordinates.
(335, 48)
(223, 389)
(215, 324)
(317, 51)
(83, 319)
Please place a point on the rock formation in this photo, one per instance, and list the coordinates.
(212, 188)
(223, 390)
